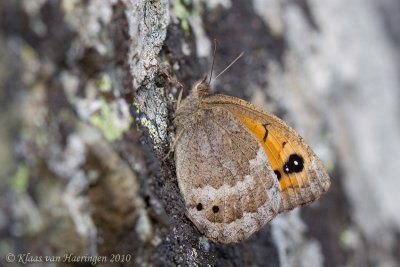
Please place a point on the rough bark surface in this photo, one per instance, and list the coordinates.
(88, 91)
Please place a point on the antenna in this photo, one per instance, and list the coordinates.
(230, 65)
(212, 66)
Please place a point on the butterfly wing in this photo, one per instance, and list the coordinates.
(301, 174)
(223, 173)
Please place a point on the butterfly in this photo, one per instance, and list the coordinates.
(239, 166)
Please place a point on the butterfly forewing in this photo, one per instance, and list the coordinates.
(301, 175)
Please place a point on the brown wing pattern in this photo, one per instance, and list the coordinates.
(223, 173)
(300, 172)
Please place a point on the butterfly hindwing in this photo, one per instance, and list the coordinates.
(225, 178)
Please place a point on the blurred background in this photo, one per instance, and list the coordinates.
(87, 97)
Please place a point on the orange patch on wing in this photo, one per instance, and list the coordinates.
(272, 144)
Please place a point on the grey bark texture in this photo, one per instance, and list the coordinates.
(88, 91)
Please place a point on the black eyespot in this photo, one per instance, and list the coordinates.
(199, 207)
(215, 209)
(278, 174)
(295, 163)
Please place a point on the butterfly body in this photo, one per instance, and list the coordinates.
(239, 166)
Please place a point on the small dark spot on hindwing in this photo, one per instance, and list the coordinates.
(199, 207)
(215, 209)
